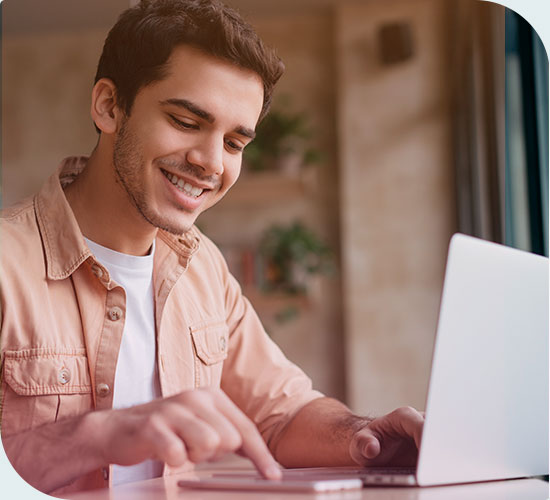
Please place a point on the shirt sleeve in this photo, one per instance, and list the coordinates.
(257, 376)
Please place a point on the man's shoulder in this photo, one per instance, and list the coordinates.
(19, 233)
(18, 223)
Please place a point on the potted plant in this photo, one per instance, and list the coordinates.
(292, 254)
(282, 142)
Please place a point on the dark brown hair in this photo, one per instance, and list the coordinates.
(139, 45)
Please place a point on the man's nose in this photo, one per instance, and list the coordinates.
(207, 153)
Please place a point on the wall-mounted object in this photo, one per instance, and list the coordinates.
(395, 43)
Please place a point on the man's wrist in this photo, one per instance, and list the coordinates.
(93, 427)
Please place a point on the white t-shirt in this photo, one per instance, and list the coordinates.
(136, 377)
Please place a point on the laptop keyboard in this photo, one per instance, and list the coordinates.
(349, 471)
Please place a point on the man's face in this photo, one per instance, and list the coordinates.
(180, 150)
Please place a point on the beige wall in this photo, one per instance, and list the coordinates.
(396, 200)
(46, 85)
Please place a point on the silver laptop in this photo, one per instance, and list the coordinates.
(487, 405)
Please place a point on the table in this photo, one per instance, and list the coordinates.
(166, 488)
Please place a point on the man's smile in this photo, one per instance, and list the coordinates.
(183, 185)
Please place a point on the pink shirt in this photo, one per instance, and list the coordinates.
(62, 321)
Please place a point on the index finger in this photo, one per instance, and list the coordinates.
(253, 446)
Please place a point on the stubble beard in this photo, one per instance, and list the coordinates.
(128, 163)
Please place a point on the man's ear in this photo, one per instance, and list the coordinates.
(105, 112)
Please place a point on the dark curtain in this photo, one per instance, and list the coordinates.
(526, 201)
(478, 117)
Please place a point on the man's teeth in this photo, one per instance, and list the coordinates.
(183, 186)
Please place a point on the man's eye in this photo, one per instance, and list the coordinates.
(183, 124)
(234, 146)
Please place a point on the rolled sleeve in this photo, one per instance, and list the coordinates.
(257, 376)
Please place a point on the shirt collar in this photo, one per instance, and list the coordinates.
(64, 245)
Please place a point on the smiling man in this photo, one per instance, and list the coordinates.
(172, 156)
(128, 350)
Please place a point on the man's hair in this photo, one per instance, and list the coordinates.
(139, 45)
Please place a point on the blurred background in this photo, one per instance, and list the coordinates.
(396, 124)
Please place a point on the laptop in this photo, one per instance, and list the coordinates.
(487, 404)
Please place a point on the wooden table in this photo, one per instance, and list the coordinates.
(167, 489)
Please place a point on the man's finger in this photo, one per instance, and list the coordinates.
(202, 441)
(253, 445)
(230, 437)
(406, 422)
(370, 447)
(364, 445)
(411, 421)
(166, 445)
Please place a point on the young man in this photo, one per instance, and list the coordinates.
(118, 315)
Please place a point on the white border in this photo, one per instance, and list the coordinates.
(536, 12)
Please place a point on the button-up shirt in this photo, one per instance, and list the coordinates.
(63, 316)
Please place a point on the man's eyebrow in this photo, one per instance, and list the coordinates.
(193, 108)
(247, 132)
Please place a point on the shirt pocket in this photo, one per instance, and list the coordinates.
(210, 342)
(44, 385)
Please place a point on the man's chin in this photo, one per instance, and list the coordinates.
(174, 229)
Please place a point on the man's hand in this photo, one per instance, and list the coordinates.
(326, 433)
(389, 440)
(198, 425)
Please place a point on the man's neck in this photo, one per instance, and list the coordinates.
(104, 211)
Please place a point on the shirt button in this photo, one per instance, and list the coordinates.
(63, 376)
(115, 313)
(97, 271)
(103, 390)
(223, 343)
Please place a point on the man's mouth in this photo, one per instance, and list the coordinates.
(182, 185)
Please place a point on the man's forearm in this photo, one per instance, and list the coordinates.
(55, 454)
(195, 426)
(318, 435)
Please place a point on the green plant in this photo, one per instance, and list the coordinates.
(293, 253)
(280, 134)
